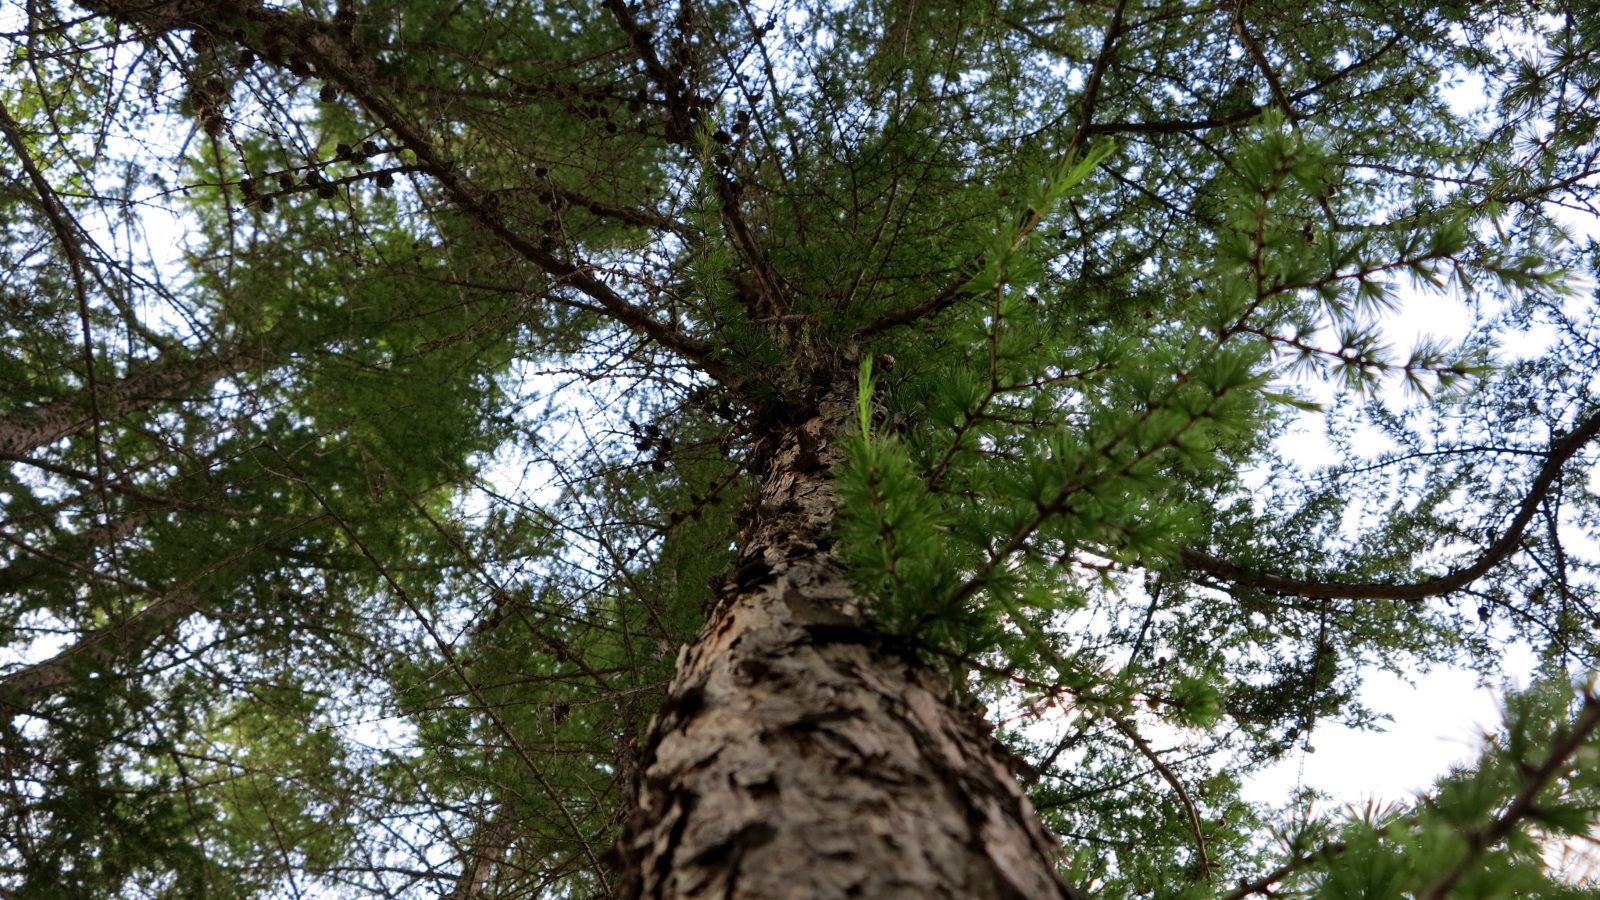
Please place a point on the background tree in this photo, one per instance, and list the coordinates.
(543, 449)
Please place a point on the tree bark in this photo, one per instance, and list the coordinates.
(22, 688)
(488, 845)
(798, 756)
(26, 430)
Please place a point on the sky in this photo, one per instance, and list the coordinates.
(1437, 719)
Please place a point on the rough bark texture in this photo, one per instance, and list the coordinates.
(797, 757)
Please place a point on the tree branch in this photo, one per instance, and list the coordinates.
(21, 688)
(772, 300)
(1253, 48)
(453, 661)
(1522, 805)
(1086, 104)
(1171, 778)
(67, 232)
(26, 430)
(489, 841)
(1561, 450)
(265, 29)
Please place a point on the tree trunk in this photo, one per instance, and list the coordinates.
(797, 757)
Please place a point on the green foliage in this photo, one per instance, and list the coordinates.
(386, 389)
(892, 530)
(1483, 830)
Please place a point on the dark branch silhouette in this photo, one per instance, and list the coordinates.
(1561, 450)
